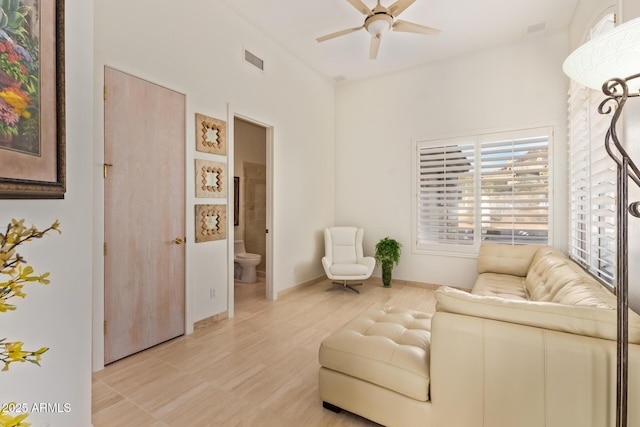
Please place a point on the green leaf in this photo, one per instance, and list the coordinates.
(15, 21)
(4, 19)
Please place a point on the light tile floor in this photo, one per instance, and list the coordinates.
(257, 369)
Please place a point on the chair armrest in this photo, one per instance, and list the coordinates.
(326, 264)
(369, 261)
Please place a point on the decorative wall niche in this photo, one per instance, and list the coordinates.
(210, 223)
(211, 135)
(211, 179)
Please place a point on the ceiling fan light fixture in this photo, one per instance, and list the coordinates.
(377, 24)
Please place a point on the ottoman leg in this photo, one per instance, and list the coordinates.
(331, 407)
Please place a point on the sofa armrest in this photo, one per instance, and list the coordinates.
(579, 320)
(506, 259)
(491, 373)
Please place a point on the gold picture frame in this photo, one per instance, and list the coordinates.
(211, 135)
(211, 179)
(32, 91)
(210, 223)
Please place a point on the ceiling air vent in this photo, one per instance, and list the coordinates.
(535, 28)
(253, 60)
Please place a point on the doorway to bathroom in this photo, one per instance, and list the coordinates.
(252, 208)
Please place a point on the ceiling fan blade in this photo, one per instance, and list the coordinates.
(410, 27)
(362, 8)
(338, 34)
(399, 6)
(375, 44)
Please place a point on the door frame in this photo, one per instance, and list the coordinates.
(271, 294)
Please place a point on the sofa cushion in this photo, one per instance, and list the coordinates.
(553, 277)
(505, 259)
(547, 274)
(587, 291)
(385, 346)
(500, 285)
(579, 320)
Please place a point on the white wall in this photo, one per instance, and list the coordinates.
(197, 48)
(630, 9)
(587, 14)
(59, 315)
(376, 120)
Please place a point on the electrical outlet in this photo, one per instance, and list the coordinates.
(212, 293)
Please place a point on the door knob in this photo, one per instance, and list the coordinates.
(179, 240)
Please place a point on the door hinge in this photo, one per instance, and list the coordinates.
(105, 92)
(105, 249)
(104, 169)
(105, 327)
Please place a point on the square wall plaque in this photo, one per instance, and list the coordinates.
(211, 135)
(211, 179)
(210, 223)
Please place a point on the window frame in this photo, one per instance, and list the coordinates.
(477, 138)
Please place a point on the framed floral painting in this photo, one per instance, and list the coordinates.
(32, 104)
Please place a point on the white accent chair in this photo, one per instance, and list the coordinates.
(344, 260)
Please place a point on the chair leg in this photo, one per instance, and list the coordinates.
(344, 285)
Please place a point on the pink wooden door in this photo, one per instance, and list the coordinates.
(144, 199)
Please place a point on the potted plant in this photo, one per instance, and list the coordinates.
(387, 255)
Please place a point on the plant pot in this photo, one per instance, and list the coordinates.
(386, 275)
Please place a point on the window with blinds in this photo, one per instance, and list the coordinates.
(592, 180)
(514, 188)
(447, 199)
(490, 187)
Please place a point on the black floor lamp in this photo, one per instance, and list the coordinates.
(611, 62)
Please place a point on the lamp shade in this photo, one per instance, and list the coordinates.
(614, 54)
(377, 24)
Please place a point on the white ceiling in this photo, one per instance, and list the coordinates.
(466, 25)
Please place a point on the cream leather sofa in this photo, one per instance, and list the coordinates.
(532, 345)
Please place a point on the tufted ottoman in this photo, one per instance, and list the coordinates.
(377, 366)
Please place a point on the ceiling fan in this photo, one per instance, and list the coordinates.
(381, 19)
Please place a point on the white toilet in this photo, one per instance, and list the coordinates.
(247, 262)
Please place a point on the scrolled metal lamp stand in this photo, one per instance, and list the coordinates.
(617, 93)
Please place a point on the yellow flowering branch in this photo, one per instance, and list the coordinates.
(8, 420)
(11, 352)
(11, 261)
(11, 265)
(16, 274)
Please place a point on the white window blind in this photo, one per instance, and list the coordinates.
(490, 187)
(515, 188)
(592, 179)
(447, 194)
